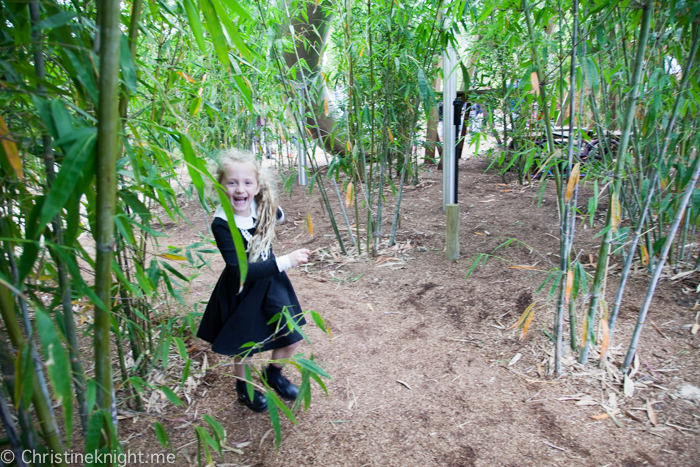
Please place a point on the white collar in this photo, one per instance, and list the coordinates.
(242, 222)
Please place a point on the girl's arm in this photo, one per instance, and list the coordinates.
(258, 270)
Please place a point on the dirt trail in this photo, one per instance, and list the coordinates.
(420, 357)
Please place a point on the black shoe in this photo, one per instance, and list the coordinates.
(258, 404)
(281, 385)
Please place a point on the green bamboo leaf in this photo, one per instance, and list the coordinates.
(240, 10)
(127, 65)
(133, 290)
(161, 434)
(137, 207)
(57, 20)
(194, 165)
(210, 441)
(217, 429)
(186, 372)
(248, 383)
(246, 92)
(24, 387)
(274, 418)
(83, 76)
(318, 380)
(235, 233)
(181, 347)
(320, 322)
(71, 170)
(94, 432)
(196, 25)
(231, 29)
(312, 367)
(217, 34)
(172, 397)
(31, 248)
(475, 264)
(174, 271)
(91, 394)
(203, 443)
(271, 396)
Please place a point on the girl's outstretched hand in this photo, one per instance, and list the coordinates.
(298, 257)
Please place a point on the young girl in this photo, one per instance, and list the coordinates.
(233, 319)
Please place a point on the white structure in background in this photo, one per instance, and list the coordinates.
(449, 93)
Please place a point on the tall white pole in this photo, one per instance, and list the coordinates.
(449, 93)
(301, 155)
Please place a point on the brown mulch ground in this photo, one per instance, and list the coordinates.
(421, 359)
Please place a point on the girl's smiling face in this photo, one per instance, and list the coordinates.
(241, 183)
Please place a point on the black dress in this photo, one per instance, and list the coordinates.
(232, 320)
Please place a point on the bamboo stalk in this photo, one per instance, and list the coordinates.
(42, 406)
(386, 147)
(636, 78)
(11, 430)
(7, 367)
(78, 376)
(658, 269)
(655, 178)
(567, 233)
(107, 151)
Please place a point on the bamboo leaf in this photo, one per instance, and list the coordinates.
(526, 326)
(194, 166)
(172, 397)
(216, 428)
(523, 316)
(173, 257)
(231, 30)
(10, 148)
(349, 194)
(94, 432)
(535, 82)
(573, 181)
(161, 434)
(309, 224)
(196, 25)
(235, 233)
(569, 285)
(313, 367)
(72, 168)
(217, 34)
(645, 255)
(55, 21)
(24, 387)
(320, 323)
(615, 211)
(274, 418)
(57, 365)
(181, 348)
(606, 337)
(127, 65)
(240, 10)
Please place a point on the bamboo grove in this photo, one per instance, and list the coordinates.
(621, 80)
(107, 104)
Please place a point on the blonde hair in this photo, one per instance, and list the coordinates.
(266, 199)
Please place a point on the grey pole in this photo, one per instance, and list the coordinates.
(303, 180)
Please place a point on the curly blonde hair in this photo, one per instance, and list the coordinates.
(266, 199)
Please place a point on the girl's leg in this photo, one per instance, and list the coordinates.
(283, 353)
(274, 377)
(258, 404)
(239, 367)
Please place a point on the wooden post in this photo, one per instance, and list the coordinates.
(452, 250)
